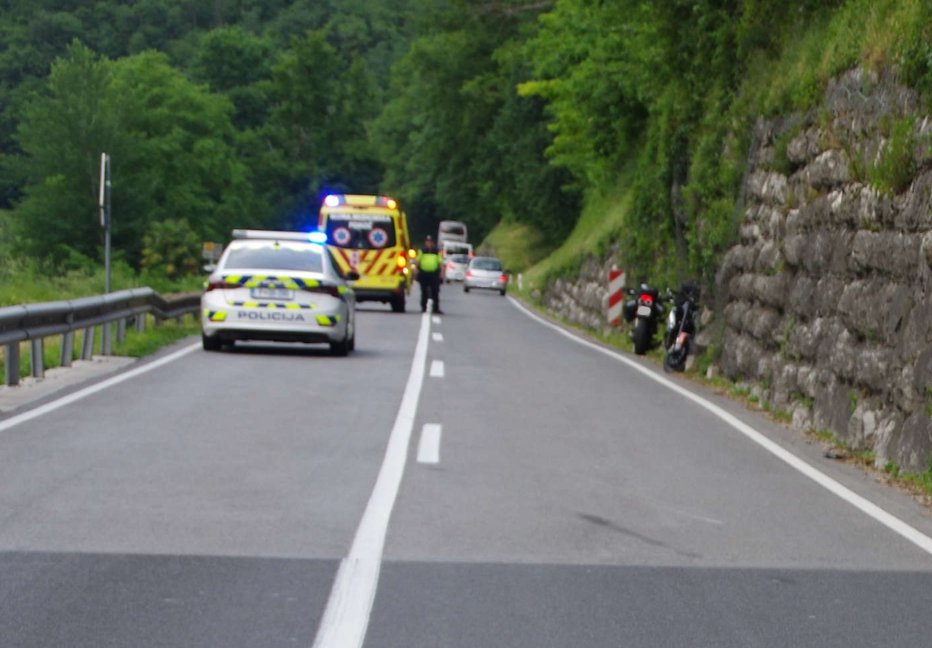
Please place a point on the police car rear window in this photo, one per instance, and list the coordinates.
(275, 258)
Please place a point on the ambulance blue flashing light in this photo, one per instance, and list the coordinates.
(332, 200)
(317, 237)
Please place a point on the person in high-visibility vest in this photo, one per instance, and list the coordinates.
(429, 264)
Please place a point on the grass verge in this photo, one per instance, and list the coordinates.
(137, 344)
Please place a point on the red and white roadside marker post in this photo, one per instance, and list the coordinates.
(616, 295)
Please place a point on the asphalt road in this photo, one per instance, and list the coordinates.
(478, 479)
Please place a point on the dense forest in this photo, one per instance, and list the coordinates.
(242, 113)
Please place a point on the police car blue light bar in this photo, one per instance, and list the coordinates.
(279, 235)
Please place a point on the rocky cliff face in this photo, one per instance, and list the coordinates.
(829, 293)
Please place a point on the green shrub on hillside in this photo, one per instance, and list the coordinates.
(691, 155)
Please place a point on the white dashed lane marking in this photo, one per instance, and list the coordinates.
(428, 450)
(346, 617)
(436, 369)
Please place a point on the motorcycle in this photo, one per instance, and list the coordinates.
(681, 327)
(645, 310)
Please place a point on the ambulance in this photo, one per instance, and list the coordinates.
(369, 235)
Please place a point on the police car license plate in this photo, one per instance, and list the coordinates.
(271, 293)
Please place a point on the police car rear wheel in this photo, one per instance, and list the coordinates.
(210, 343)
(340, 348)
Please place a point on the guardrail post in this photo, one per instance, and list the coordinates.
(11, 363)
(67, 349)
(105, 343)
(140, 322)
(87, 347)
(36, 359)
(121, 331)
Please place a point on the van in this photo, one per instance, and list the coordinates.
(369, 235)
(455, 247)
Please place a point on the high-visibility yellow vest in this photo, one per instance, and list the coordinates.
(428, 261)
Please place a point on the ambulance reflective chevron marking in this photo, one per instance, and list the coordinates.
(369, 262)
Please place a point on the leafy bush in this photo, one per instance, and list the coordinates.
(171, 248)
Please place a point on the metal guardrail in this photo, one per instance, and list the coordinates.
(35, 322)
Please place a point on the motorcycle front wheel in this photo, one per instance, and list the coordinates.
(675, 359)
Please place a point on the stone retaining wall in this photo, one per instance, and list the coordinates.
(829, 292)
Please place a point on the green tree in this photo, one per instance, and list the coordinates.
(238, 64)
(451, 117)
(63, 132)
(322, 102)
(171, 144)
(175, 158)
(598, 66)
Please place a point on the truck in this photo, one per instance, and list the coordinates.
(451, 230)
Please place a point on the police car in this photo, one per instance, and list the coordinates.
(278, 286)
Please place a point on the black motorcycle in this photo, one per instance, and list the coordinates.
(681, 327)
(645, 310)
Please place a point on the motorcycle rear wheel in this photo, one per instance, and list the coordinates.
(641, 336)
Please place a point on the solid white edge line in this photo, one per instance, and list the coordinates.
(892, 522)
(93, 389)
(428, 449)
(346, 617)
(436, 369)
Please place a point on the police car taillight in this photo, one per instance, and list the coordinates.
(220, 284)
(333, 291)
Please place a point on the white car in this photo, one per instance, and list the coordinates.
(454, 267)
(486, 273)
(278, 286)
